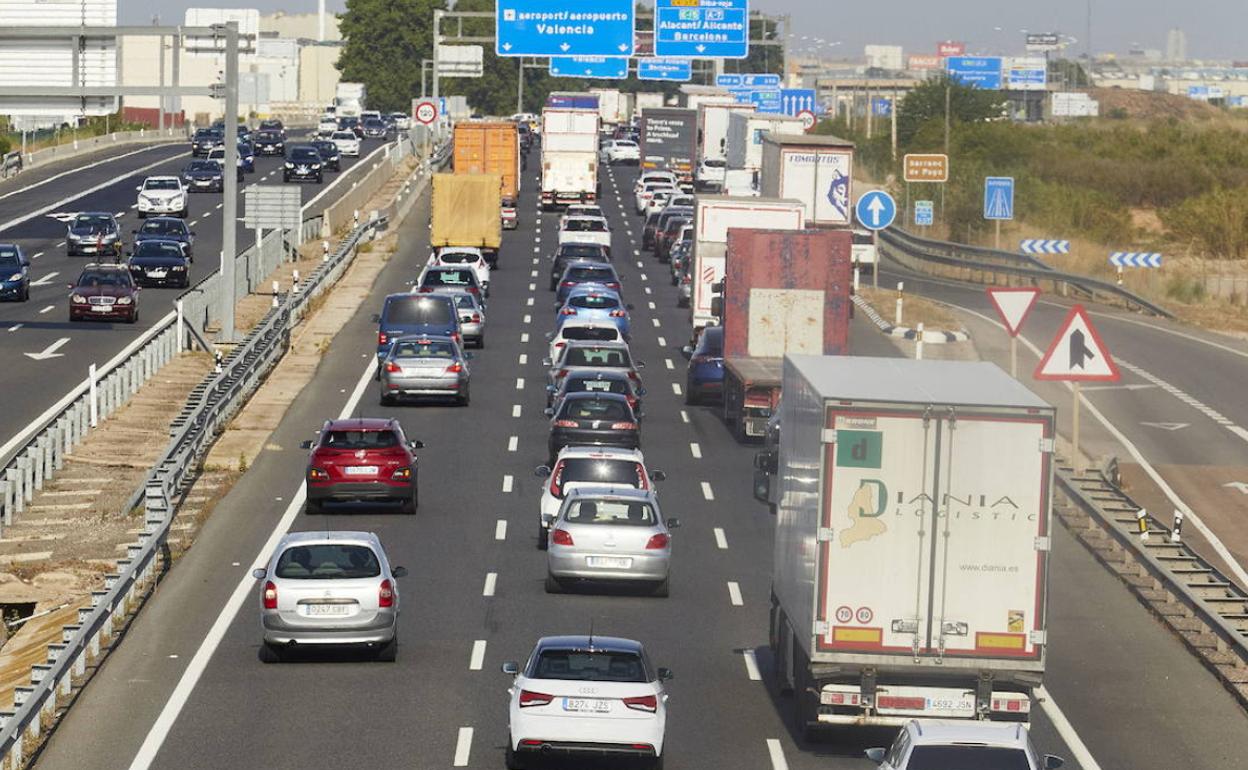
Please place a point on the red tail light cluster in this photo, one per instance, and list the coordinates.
(385, 594)
(623, 426)
(648, 703)
(556, 480)
(565, 423)
(393, 367)
(381, 338)
(561, 537)
(455, 368)
(270, 596)
(569, 283)
(658, 542)
(531, 698)
(316, 474)
(617, 313)
(568, 311)
(476, 318)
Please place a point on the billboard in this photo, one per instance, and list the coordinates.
(922, 62)
(49, 61)
(950, 48)
(1026, 73)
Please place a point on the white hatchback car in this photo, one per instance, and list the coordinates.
(347, 142)
(586, 466)
(644, 196)
(582, 331)
(583, 210)
(464, 256)
(586, 696)
(162, 195)
(963, 743)
(329, 588)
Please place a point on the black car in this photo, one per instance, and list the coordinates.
(330, 157)
(270, 143)
(601, 381)
(374, 128)
(592, 419)
(204, 140)
(303, 163)
(95, 233)
(160, 263)
(352, 125)
(575, 252)
(204, 176)
(657, 221)
(274, 126)
(167, 229)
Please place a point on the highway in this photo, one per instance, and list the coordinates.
(33, 214)
(187, 690)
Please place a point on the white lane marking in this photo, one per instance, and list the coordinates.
(524, 337)
(676, 388)
(776, 752)
(656, 322)
(528, 319)
(37, 255)
(47, 309)
(707, 492)
(1066, 730)
(120, 214)
(44, 281)
(529, 302)
(637, 253)
(734, 594)
(242, 592)
(134, 206)
(684, 416)
(218, 206)
(515, 410)
(15, 327)
(491, 582)
(194, 222)
(640, 264)
(668, 363)
(206, 215)
(662, 342)
(644, 277)
(463, 747)
(519, 383)
(533, 286)
(1191, 401)
(533, 274)
(695, 450)
(535, 260)
(513, 443)
(62, 243)
(646, 289)
(524, 359)
(42, 182)
(500, 530)
(751, 666)
(508, 480)
(721, 540)
(477, 660)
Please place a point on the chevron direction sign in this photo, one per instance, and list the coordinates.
(1042, 246)
(1135, 259)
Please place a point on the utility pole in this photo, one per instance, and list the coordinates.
(870, 112)
(229, 211)
(437, 44)
(520, 86)
(948, 96)
(893, 115)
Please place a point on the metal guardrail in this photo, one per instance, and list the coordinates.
(996, 263)
(1169, 565)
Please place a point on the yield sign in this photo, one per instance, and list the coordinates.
(1013, 305)
(1077, 353)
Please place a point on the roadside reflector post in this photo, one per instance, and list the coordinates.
(95, 396)
(295, 286)
(324, 251)
(1074, 417)
(1141, 523)
(897, 316)
(355, 218)
(918, 343)
(181, 328)
(1120, 275)
(1176, 534)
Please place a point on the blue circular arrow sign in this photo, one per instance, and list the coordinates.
(876, 210)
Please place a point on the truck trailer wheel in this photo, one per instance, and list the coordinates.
(803, 702)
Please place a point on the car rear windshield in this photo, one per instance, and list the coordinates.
(92, 278)
(599, 471)
(585, 226)
(594, 301)
(712, 341)
(597, 385)
(623, 512)
(424, 349)
(328, 561)
(967, 758)
(674, 224)
(458, 257)
(419, 310)
(591, 333)
(360, 439)
(591, 274)
(596, 357)
(157, 249)
(581, 250)
(595, 409)
(162, 227)
(453, 277)
(716, 163)
(590, 666)
(465, 301)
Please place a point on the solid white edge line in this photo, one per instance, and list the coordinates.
(751, 666)
(477, 660)
(77, 169)
(463, 747)
(776, 752)
(199, 662)
(1066, 730)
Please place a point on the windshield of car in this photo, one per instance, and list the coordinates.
(424, 349)
(594, 301)
(304, 153)
(374, 123)
(204, 165)
(453, 277)
(205, 133)
(272, 124)
(595, 409)
(591, 333)
(93, 220)
(327, 561)
(360, 439)
(325, 147)
(585, 226)
(92, 278)
(633, 513)
(8, 258)
(580, 250)
(343, 135)
(967, 758)
(269, 136)
(157, 249)
(160, 184)
(591, 666)
(674, 224)
(711, 343)
(408, 311)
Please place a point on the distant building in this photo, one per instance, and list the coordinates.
(885, 57)
(1176, 45)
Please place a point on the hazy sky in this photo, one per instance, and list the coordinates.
(1215, 28)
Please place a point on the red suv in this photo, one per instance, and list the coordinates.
(362, 461)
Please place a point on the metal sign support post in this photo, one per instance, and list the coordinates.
(1014, 357)
(1074, 416)
(997, 239)
(229, 212)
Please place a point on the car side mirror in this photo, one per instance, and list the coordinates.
(399, 572)
(416, 444)
(542, 471)
(69, 286)
(665, 674)
(305, 444)
(548, 412)
(511, 667)
(687, 351)
(134, 232)
(876, 755)
(259, 573)
(376, 318)
(658, 476)
(1052, 762)
(673, 523)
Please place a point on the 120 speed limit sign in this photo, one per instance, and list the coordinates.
(425, 112)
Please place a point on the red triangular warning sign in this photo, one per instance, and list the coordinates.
(1013, 305)
(1077, 353)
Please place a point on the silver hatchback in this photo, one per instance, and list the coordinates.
(329, 588)
(425, 366)
(610, 535)
(471, 309)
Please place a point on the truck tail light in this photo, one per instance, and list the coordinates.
(658, 542)
(385, 594)
(648, 703)
(531, 698)
(561, 537)
(270, 595)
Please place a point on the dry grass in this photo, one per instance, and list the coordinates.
(915, 310)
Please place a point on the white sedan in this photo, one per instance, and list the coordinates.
(642, 197)
(347, 142)
(162, 195)
(620, 151)
(586, 696)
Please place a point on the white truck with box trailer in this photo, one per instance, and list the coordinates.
(912, 540)
(817, 170)
(645, 99)
(569, 156)
(745, 136)
(713, 120)
(611, 106)
(712, 216)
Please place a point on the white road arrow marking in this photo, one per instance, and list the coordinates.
(1169, 426)
(1238, 485)
(49, 351)
(44, 281)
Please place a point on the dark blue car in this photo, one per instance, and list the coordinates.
(413, 314)
(14, 273)
(582, 273)
(705, 375)
(167, 229)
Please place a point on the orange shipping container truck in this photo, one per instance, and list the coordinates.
(492, 148)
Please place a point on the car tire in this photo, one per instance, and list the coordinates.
(386, 399)
(142, 215)
(657, 764)
(542, 538)
(26, 293)
(692, 398)
(663, 590)
(410, 505)
(286, 178)
(464, 399)
(481, 342)
(272, 653)
(389, 652)
(553, 586)
(510, 760)
(134, 318)
(313, 508)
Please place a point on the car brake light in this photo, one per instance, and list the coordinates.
(270, 596)
(569, 283)
(560, 344)
(455, 368)
(426, 290)
(316, 474)
(402, 474)
(473, 290)
(385, 595)
(455, 336)
(531, 698)
(381, 338)
(618, 314)
(613, 285)
(562, 373)
(565, 423)
(623, 426)
(568, 311)
(644, 703)
(393, 367)
(633, 376)
(561, 537)
(556, 477)
(476, 318)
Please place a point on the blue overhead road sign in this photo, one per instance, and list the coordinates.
(748, 80)
(560, 28)
(976, 71)
(604, 67)
(999, 197)
(794, 100)
(664, 69)
(876, 210)
(707, 29)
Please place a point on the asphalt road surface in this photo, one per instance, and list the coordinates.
(186, 688)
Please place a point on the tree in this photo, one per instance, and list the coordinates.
(386, 40)
(926, 103)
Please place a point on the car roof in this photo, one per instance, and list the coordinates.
(330, 536)
(106, 267)
(581, 217)
(598, 344)
(585, 323)
(944, 731)
(586, 289)
(359, 423)
(95, 214)
(613, 493)
(585, 642)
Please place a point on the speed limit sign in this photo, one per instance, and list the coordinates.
(808, 119)
(425, 112)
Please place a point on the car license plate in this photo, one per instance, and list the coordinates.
(322, 610)
(595, 386)
(157, 273)
(101, 308)
(587, 705)
(88, 249)
(360, 470)
(608, 562)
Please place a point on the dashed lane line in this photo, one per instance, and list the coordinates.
(519, 383)
(524, 337)
(508, 481)
(500, 529)
(513, 443)
(515, 410)
(463, 747)
(676, 388)
(491, 583)
(477, 659)
(734, 594)
(707, 492)
(751, 666)
(776, 752)
(695, 450)
(524, 359)
(721, 540)
(684, 416)
(47, 309)
(662, 342)
(668, 363)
